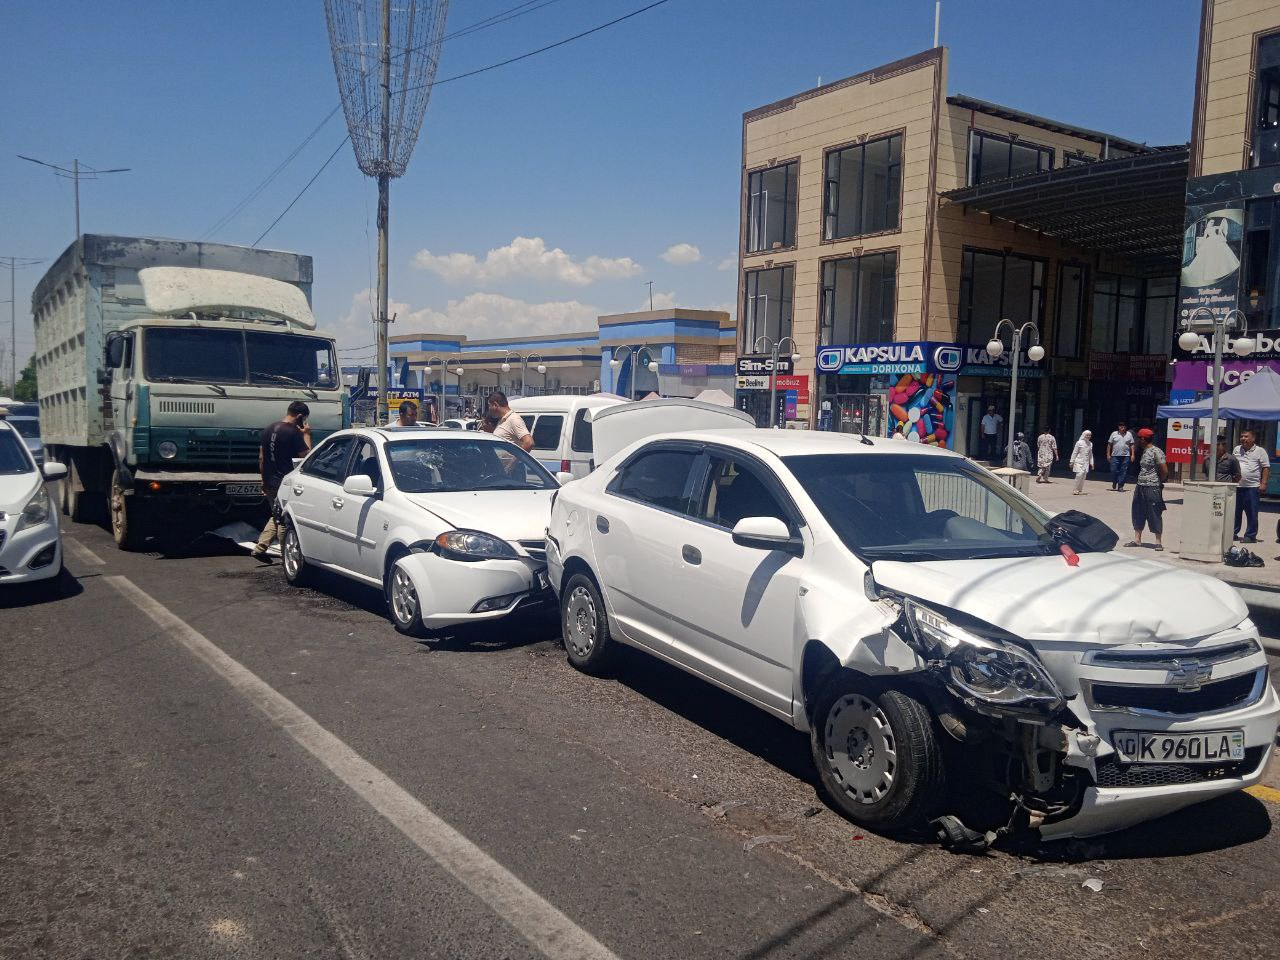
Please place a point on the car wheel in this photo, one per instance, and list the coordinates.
(878, 755)
(584, 626)
(402, 599)
(297, 572)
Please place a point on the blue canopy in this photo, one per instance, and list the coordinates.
(1258, 398)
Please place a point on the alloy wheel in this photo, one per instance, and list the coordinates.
(861, 748)
(292, 553)
(404, 598)
(580, 622)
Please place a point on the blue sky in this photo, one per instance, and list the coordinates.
(602, 155)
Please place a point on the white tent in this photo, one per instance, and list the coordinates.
(718, 397)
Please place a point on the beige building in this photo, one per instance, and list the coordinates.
(873, 214)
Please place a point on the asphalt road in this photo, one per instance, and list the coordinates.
(199, 761)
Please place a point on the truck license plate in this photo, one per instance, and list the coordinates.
(1214, 746)
(244, 489)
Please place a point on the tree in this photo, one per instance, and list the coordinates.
(25, 388)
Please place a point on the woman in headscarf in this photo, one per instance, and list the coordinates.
(1022, 453)
(1082, 460)
(1046, 454)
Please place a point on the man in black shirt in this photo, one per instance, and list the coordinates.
(280, 443)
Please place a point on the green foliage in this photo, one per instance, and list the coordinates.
(25, 388)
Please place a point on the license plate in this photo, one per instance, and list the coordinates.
(244, 489)
(1214, 746)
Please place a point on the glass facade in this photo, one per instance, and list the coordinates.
(996, 286)
(863, 188)
(768, 306)
(858, 298)
(1265, 149)
(771, 208)
(993, 157)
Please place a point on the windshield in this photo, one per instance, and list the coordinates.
(27, 426)
(199, 355)
(441, 466)
(920, 507)
(13, 455)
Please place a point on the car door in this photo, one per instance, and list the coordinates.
(636, 536)
(357, 524)
(737, 613)
(311, 491)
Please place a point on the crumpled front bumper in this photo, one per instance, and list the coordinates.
(19, 549)
(449, 590)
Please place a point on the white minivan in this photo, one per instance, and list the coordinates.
(561, 428)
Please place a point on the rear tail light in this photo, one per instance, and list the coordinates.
(564, 466)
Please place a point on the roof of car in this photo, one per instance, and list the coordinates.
(427, 433)
(799, 443)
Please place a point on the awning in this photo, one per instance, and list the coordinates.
(1132, 207)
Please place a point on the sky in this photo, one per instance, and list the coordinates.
(541, 194)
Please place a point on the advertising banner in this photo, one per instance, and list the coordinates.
(1197, 375)
(1214, 230)
(762, 364)
(921, 392)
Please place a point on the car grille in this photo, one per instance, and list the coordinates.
(1170, 659)
(221, 450)
(1213, 696)
(1113, 773)
(537, 549)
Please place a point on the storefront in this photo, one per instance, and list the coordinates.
(880, 388)
(984, 382)
(790, 392)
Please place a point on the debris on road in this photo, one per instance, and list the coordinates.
(765, 838)
(717, 811)
(1094, 884)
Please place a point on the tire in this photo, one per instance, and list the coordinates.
(129, 518)
(403, 603)
(877, 754)
(297, 572)
(76, 504)
(584, 626)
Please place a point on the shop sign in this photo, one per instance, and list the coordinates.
(763, 364)
(876, 358)
(979, 363)
(1115, 367)
(1181, 436)
(1266, 347)
(799, 385)
(1193, 375)
(753, 383)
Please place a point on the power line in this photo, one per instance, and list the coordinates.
(345, 141)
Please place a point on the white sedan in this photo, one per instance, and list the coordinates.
(30, 538)
(450, 524)
(923, 622)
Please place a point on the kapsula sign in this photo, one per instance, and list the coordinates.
(756, 365)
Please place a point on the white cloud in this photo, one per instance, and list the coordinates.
(728, 263)
(661, 301)
(682, 254)
(525, 257)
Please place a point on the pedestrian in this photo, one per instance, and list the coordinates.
(1255, 471)
(1082, 461)
(1046, 454)
(1022, 453)
(279, 444)
(488, 424)
(1148, 491)
(407, 415)
(510, 425)
(1120, 450)
(1227, 467)
(991, 425)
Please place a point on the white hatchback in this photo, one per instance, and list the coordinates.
(449, 523)
(926, 624)
(30, 538)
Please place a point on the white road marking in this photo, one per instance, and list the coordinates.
(542, 924)
(81, 552)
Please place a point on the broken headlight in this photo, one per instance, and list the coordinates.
(985, 668)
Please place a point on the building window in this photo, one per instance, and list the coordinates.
(1266, 110)
(771, 208)
(993, 157)
(997, 286)
(768, 305)
(1159, 312)
(1260, 262)
(1070, 318)
(1077, 159)
(858, 297)
(1116, 305)
(863, 188)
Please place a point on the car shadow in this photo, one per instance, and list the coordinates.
(518, 630)
(20, 595)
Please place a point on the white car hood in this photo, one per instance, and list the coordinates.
(508, 514)
(1108, 599)
(16, 490)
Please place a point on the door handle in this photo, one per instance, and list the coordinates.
(337, 503)
(297, 490)
(602, 524)
(692, 555)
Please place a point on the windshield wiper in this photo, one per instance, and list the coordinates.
(287, 379)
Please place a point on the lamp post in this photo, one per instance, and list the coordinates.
(1202, 321)
(1035, 353)
(444, 372)
(635, 352)
(772, 347)
(524, 359)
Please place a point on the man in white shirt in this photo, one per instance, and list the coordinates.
(1120, 450)
(1255, 472)
(991, 425)
(511, 425)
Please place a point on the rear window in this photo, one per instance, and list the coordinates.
(659, 478)
(581, 442)
(546, 431)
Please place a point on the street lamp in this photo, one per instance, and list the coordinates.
(524, 360)
(636, 352)
(1203, 320)
(1035, 353)
(772, 347)
(444, 372)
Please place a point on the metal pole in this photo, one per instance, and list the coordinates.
(1013, 397)
(13, 333)
(937, 21)
(1219, 334)
(75, 178)
(773, 388)
(384, 199)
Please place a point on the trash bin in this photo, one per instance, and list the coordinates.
(1208, 513)
(1020, 480)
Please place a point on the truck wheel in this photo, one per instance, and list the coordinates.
(877, 754)
(128, 518)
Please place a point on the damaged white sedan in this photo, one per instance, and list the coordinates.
(931, 628)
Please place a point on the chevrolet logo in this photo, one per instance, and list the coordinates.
(1190, 676)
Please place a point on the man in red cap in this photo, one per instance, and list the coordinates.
(1148, 493)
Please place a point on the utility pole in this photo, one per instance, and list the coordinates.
(13, 263)
(75, 173)
(650, 283)
(384, 212)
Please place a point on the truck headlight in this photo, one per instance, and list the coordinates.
(37, 511)
(167, 449)
(986, 668)
(472, 545)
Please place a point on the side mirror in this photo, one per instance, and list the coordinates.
(766, 533)
(563, 477)
(359, 485)
(54, 471)
(104, 376)
(297, 462)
